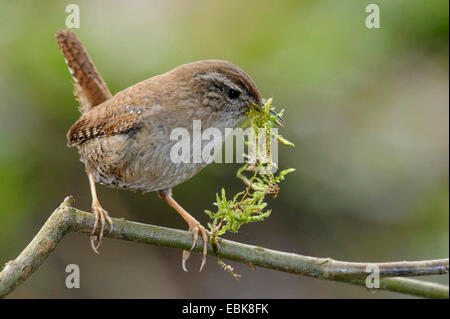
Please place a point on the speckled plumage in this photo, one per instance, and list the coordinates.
(126, 139)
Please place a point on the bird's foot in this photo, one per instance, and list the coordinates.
(101, 217)
(195, 228)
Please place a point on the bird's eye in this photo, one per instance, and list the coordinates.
(233, 94)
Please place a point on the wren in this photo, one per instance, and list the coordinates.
(124, 140)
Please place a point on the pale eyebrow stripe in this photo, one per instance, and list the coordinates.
(219, 77)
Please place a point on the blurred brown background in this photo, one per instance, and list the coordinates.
(367, 110)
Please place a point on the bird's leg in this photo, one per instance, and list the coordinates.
(100, 215)
(194, 226)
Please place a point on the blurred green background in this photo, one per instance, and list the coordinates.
(368, 110)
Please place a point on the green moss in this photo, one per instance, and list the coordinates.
(257, 174)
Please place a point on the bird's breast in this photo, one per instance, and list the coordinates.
(158, 156)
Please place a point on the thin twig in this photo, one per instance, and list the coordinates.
(67, 219)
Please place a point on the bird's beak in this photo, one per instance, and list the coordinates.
(279, 121)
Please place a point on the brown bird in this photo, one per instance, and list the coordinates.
(124, 140)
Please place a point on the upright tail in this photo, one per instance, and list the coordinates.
(90, 89)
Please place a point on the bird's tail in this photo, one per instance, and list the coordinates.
(90, 89)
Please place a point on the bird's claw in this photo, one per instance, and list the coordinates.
(196, 228)
(101, 216)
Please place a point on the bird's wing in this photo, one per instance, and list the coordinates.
(106, 119)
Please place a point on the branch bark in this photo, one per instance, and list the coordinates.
(67, 219)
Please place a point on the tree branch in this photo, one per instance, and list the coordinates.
(67, 219)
